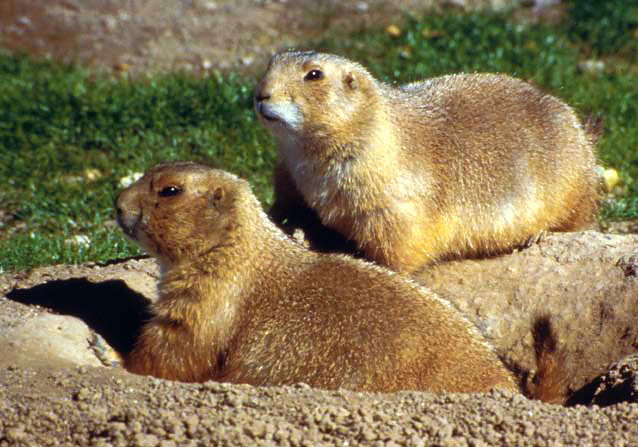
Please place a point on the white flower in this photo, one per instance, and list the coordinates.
(127, 181)
(79, 239)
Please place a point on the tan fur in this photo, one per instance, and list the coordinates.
(241, 302)
(467, 164)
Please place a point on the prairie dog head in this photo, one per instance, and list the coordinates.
(308, 95)
(178, 211)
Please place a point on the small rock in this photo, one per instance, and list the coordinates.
(362, 6)
(192, 423)
(136, 426)
(256, 430)
(232, 400)
(368, 434)
(117, 427)
(247, 60)
(52, 337)
(110, 22)
(16, 434)
(143, 440)
(24, 21)
(82, 394)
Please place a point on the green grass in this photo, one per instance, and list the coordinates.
(604, 26)
(57, 122)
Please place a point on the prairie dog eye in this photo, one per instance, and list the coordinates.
(313, 75)
(169, 191)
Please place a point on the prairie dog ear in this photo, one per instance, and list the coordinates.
(351, 81)
(217, 197)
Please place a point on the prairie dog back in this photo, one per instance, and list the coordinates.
(241, 302)
(467, 164)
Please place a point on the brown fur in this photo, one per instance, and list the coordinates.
(550, 381)
(467, 164)
(241, 302)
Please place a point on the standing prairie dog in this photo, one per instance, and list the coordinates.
(242, 302)
(466, 164)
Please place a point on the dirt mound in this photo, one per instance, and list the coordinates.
(586, 282)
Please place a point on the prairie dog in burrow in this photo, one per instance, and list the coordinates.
(242, 302)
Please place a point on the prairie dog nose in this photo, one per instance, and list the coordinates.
(127, 213)
(262, 96)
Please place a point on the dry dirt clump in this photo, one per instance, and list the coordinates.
(59, 324)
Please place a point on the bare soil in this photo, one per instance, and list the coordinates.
(147, 36)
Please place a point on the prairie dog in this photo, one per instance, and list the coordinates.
(464, 164)
(242, 302)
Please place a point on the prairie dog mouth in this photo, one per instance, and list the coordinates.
(285, 112)
(128, 223)
(266, 110)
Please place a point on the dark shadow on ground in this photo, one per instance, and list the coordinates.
(110, 308)
(585, 395)
(597, 393)
(122, 260)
